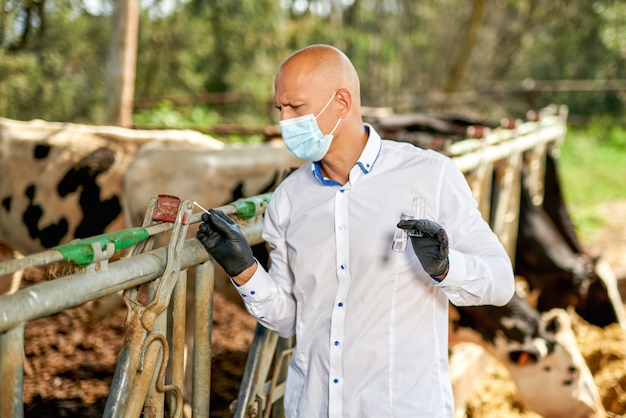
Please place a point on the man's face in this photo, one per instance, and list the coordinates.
(298, 93)
(291, 94)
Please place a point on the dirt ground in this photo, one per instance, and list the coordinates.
(70, 359)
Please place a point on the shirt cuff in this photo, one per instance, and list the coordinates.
(457, 270)
(255, 289)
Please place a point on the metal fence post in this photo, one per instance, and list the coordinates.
(12, 372)
(203, 323)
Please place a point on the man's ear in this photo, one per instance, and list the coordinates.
(344, 98)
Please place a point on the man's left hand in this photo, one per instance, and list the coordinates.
(431, 247)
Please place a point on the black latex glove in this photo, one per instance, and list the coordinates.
(223, 239)
(432, 247)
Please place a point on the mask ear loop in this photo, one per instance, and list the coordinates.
(324, 108)
(326, 105)
(337, 124)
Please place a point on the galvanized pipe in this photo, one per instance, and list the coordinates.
(12, 372)
(263, 344)
(81, 252)
(502, 151)
(49, 298)
(203, 323)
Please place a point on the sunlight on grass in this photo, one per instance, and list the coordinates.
(592, 168)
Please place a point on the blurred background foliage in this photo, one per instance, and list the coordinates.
(53, 55)
(486, 59)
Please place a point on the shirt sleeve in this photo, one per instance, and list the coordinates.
(480, 270)
(268, 296)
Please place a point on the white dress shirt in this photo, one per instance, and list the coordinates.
(371, 325)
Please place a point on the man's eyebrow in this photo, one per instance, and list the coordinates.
(286, 104)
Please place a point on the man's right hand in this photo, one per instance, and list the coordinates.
(223, 239)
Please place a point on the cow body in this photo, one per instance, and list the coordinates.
(61, 181)
(209, 177)
(550, 257)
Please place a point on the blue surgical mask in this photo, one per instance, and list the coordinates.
(302, 136)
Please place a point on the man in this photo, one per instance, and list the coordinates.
(371, 324)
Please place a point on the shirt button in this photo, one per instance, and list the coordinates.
(341, 227)
(336, 343)
(252, 292)
(340, 304)
(335, 380)
(342, 190)
(343, 266)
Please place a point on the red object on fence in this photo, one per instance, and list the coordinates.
(166, 208)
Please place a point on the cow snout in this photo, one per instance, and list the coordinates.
(573, 373)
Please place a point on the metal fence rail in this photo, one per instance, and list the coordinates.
(147, 345)
(492, 166)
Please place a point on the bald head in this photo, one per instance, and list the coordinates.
(320, 80)
(325, 62)
(321, 68)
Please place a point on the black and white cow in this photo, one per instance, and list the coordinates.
(60, 181)
(550, 257)
(210, 177)
(540, 352)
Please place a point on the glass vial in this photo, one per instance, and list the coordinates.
(419, 212)
(400, 237)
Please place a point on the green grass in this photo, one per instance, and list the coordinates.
(592, 168)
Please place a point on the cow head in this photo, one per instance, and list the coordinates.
(513, 333)
(539, 351)
(559, 384)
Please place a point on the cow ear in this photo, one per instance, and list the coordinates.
(556, 320)
(553, 325)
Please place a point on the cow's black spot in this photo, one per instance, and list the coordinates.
(237, 192)
(553, 325)
(30, 192)
(6, 203)
(97, 214)
(41, 151)
(50, 235)
(270, 186)
(86, 170)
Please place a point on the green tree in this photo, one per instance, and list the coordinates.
(52, 66)
(53, 55)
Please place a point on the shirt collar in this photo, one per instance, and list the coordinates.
(366, 160)
(371, 151)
